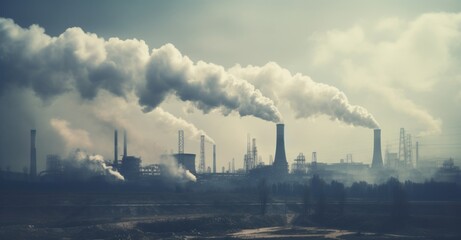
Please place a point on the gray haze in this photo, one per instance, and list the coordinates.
(155, 67)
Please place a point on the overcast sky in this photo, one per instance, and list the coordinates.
(330, 70)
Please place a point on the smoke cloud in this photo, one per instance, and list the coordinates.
(83, 166)
(73, 137)
(177, 171)
(84, 62)
(304, 96)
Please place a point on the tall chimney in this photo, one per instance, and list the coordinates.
(214, 158)
(124, 144)
(280, 162)
(33, 154)
(115, 148)
(377, 157)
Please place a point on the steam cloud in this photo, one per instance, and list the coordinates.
(80, 165)
(72, 137)
(81, 61)
(177, 171)
(305, 97)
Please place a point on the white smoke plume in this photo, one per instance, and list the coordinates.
(86, 63)
(177, 171)
(167, 119)
(82, 166)
(73, 137)
(305, 97)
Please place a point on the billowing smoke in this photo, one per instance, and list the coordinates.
(80, 165)
(86, 63)
(72, 137)
(167, 119)
(305, 97)
(177, 171)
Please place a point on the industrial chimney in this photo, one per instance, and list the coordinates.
(214, 158)
(377, 157)
(124, 144)
(33, 154)
(280, 162)
(115, 149)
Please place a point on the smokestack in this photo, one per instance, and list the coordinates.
(33, 154)
(280, 162)
(214, 158)
(115, 148)
(124, 144)
(377, 161)
(201, 167)
(417, 155)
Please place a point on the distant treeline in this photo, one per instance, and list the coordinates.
(427, 191)
(316, 186)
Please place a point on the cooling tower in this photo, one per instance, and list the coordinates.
(377, 157)
(33, 154)
(280, 162)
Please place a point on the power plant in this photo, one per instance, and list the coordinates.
(276, 169)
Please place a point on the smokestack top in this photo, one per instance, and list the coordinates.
(280, 130)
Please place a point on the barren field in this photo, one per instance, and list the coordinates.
(213, 215)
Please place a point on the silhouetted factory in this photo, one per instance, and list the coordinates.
(131, 169)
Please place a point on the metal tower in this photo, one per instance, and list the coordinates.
(314, 160)
(402, 147)
(247, 158)
(409, 157)
(201, 166)
(300, 164)
(254, 154)
(181, 141)
(417, 154)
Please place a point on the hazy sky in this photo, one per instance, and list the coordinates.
(330, 70)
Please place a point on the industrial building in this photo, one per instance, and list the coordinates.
(399, 164)
(186, 160)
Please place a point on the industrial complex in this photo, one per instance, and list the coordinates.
(184, 166)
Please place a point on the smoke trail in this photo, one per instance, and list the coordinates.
(167, 119)
(86, 63)
(306, 97)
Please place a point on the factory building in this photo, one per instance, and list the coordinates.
(186, 160)
(130, 167)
